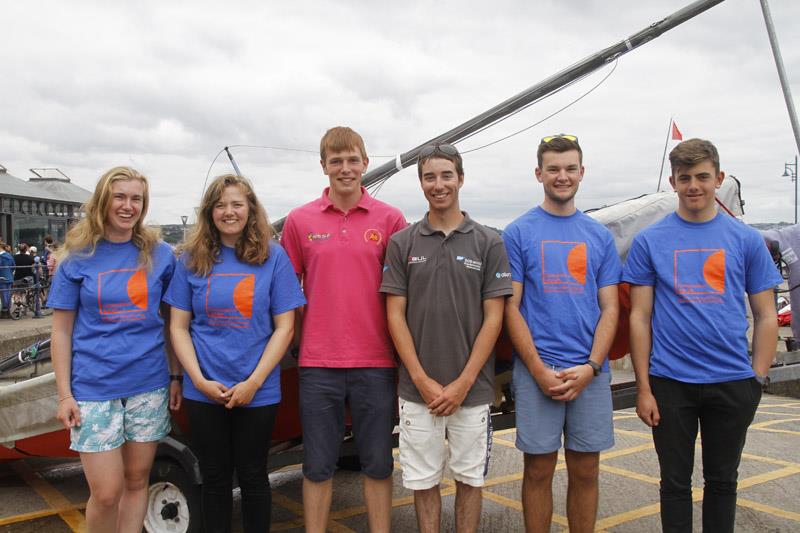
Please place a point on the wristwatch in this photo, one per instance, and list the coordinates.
(763, 381)
(595, 367)
(176, 377)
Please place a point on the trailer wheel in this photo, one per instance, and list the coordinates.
(173, 501)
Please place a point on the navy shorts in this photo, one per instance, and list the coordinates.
(372, 396)
(587, 422)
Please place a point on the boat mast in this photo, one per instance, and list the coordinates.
(541, 89)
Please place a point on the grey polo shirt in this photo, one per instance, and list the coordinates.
(445, 280)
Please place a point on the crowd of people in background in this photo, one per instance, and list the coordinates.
(25, 268)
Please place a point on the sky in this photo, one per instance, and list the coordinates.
(164, 86)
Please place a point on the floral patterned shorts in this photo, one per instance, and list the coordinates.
(108, 424)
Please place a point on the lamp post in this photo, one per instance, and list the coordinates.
(788, 172)
(185, 219)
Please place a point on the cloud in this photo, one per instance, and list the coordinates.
(164, 86)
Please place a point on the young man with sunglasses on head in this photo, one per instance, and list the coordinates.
(337, 245)
(446, 278)
(561, 318)
(689, 274)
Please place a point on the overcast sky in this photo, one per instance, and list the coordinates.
(163, 86)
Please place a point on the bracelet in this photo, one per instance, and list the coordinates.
(176, 377)
(64, 398)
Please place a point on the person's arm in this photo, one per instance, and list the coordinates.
(522, 339)
(765, 330)
(184, 350)
(175, 386)
(641, 342)
(428, 387)
(454, 393)
(61, 356)
(578, 377)
(242, 393)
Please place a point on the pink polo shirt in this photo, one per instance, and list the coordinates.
(340, 259)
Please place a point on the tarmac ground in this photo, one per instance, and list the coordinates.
(50, 495)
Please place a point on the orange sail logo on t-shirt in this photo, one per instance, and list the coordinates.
(700, 271)
(564, 266)
(122, 295)
(229, 299)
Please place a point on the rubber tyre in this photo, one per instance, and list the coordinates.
(173, 501)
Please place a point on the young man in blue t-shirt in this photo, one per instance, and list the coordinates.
(689, 274)
(561, 318)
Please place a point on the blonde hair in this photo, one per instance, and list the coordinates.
(203, 244)
(83, 237)
(339, 139)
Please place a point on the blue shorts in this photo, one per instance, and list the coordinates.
(372, 397)
(108, 424)
(587, 422)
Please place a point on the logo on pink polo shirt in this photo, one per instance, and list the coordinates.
(318, 236)
(373, 235)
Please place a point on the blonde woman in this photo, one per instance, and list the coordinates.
(108, 348)
(233, 298)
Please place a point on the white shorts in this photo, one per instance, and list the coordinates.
(423, 450)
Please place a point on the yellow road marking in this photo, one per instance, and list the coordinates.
(768, 460)
(640, 434)
(491, 482)
(66, 510)
(625, 416)
(768, 423)
(517, 506)
(784, 431)
(626, 451)
(37, 514)
(629, 474)
(504, 431)
(768, 509)
(771, 413)
(768, 476)
(503, 442)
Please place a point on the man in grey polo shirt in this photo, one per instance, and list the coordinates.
(446, 278)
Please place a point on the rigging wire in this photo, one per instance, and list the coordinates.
(378, 185)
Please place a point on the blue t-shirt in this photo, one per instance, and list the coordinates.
(561, 262)
(700, 273)
(232, 310)
(118, 334)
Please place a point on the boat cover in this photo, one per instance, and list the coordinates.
(629, 217)
(28, 408)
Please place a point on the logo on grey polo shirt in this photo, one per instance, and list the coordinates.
(415, 259)
(472, 264)
(501, 275)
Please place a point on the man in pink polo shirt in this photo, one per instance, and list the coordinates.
(337, 245)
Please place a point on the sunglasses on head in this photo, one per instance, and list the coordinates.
(447, 149)
(559, 136)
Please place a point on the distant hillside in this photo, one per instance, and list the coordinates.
(173, 233)
(770, 225)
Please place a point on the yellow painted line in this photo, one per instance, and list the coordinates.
(783, 431)
(640, 434)
(503, 442)
(629, 474)
(37, 514)
(769, 460)
(626, 451)
(782, 513)
(517, 505)
(504, 431)
(768, 476)
(625, 417)
(768, 423)
(491, 482)
(628, 516)
(73, 518)
(771, 413)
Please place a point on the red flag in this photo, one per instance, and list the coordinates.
(676, 133)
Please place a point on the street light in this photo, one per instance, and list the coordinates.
(788, 172)
(185, 219)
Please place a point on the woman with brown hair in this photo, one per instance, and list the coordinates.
(233, 298)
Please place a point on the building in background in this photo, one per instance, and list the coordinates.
(45, 204)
